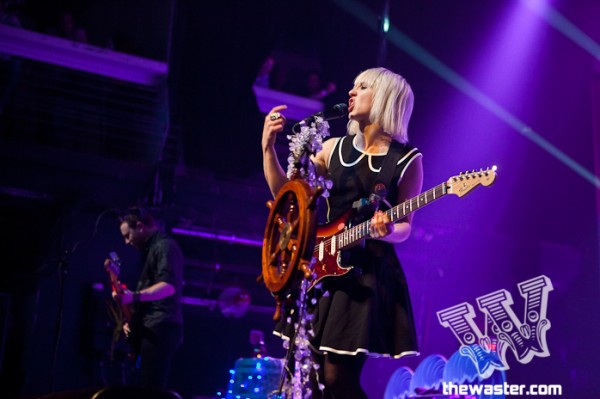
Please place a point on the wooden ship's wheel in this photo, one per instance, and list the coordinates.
(289, 239)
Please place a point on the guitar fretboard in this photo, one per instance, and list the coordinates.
(360, 231)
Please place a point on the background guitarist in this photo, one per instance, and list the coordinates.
(367, 313)
(157, 328)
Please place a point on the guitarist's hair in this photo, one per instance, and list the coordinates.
(393, 101)
(134, 214)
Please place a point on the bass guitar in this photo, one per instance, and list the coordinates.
(333, 237)
(113, 267)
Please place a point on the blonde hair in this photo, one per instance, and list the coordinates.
(393, 101)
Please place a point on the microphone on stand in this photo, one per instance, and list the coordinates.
(336, 112)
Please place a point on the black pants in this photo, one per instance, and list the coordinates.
(157, 349)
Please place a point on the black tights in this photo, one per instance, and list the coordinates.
(341, 376)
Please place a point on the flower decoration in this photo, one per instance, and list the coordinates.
(299, 386)
(304, 144)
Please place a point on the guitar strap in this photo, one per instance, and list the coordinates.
(381, 184)
(383, 180)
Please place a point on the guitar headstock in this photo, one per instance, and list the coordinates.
(113, 265)
(465, 182)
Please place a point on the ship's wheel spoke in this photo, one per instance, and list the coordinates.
(274, 256)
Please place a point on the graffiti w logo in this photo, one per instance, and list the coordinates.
(503, 330)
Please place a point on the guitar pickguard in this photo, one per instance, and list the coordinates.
(328, 254)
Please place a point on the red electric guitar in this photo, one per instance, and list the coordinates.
(337, 235)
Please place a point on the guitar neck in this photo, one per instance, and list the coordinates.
(356, 233)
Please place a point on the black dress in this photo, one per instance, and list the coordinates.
(369, 310)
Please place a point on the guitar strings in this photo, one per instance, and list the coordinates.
(366, 225)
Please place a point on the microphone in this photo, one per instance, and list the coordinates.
(336, 112)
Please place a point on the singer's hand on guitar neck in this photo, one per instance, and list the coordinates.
(381, 228)
(380, 225)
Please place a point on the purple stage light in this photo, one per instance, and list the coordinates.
(232, 239)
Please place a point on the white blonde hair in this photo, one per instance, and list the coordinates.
(393, 101)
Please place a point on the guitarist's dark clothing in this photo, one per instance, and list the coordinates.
(368, 311)
(159, 323)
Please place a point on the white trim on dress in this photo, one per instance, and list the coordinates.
(326, 349)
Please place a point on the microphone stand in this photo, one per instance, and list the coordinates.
(63, 264)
